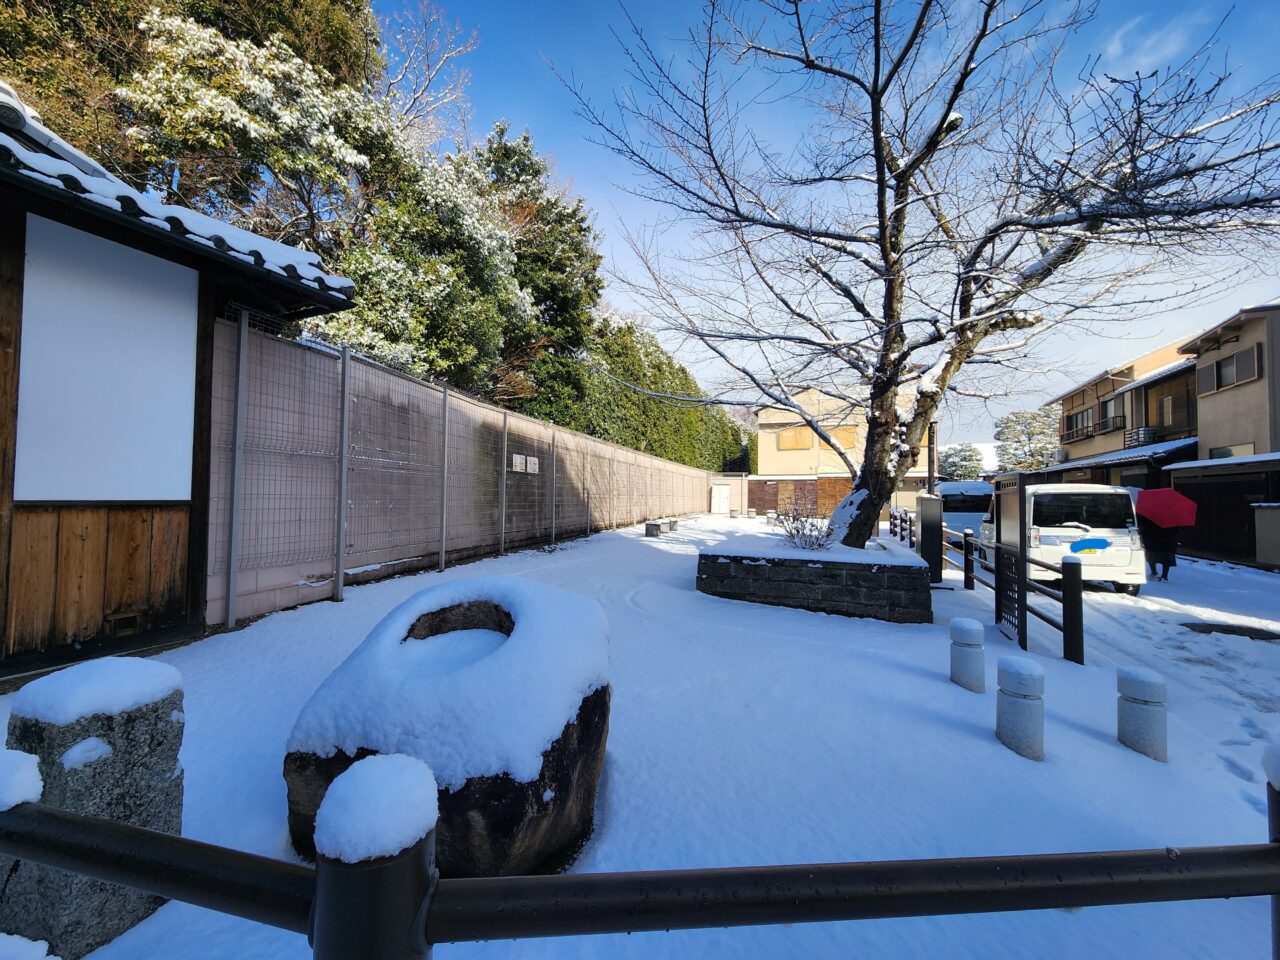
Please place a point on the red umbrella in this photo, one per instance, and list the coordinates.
(1166, 507)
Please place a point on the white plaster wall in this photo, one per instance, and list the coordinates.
(106, 385)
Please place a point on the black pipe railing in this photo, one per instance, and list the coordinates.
(1070, 598)
(328, 899)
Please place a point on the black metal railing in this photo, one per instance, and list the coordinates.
(1076, 433)
(1070, 622)
(1108, 424)
(397, 908)
(902, 524)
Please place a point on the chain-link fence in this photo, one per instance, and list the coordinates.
(430, 476)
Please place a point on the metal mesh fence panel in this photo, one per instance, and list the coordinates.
(402, 486)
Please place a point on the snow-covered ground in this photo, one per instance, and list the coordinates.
(746, 734)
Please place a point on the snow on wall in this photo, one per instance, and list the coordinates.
(377, 807)
(464, 716)
(106, 390)
(109, 685)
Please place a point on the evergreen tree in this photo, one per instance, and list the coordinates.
(961, 461)
(1027, 439)
(557, 264)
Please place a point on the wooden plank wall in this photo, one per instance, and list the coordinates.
(83, 571)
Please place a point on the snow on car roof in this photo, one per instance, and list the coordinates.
(964, 488)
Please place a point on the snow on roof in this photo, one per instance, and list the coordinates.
(1157, 374)
(964, 488)
(377, 807)
(468, 703)
(1225, 461)
(109, 685)
(68, 169)
(1129, 455)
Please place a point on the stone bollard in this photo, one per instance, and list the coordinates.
(675, 525)
(106, 734)
(1142, 723)
(665, 525)
(968, 662)
(1020, 707)
(733, 514)
(652, 529)
(751, 513)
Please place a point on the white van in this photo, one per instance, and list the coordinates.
(964, 504)
(1094, 521)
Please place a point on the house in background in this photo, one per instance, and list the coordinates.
(796, 466)
(107, 306)
(1234, 476)
(1124, 424)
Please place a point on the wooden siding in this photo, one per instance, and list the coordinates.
(80, 571)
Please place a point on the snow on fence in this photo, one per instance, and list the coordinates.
(430, 476)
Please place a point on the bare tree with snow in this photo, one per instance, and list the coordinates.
(889, 201)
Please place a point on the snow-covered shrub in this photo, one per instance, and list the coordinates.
(803, 527)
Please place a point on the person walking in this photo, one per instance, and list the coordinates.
(1161, 546)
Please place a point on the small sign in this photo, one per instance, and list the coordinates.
(531, 464)
(518, 463)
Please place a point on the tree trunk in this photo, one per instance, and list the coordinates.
(881, 471)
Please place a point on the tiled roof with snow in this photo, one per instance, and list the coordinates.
(1129, 455)
(67, 169)
(1225, 461)
(1169, 369)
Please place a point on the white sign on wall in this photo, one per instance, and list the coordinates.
(517, 463)
(531, 464)
(106, 382)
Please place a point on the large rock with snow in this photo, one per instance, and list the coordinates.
(501, 687)
(106, 735)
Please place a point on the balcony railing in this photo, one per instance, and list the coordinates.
(1111, 423)
(1078, 433)
(1140, 436)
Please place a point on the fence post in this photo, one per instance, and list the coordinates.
(929, 510)
(969, 583)
(237, 465)
(444, 473)
(502, 493)
(553, 486)
(340, 561)
(588, 513)
(1072, 610)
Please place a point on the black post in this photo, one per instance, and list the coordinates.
(968, 560)
(1273, 831)
(1022, 561)
(1072, 610)
(930, 514)
(911, 530)
(375, 909)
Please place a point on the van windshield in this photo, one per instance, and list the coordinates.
(965, 503)
(1113, 511)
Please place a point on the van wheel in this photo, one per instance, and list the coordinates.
(1130, 588)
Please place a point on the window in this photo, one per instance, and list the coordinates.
(1109, 511)
(1166, 411)
(1107, 409)
(1078, 424)
(1239, 367)
(966, 503)
(795, 438)
(1235, 450)
(847, 437)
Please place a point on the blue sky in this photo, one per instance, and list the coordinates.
(511, 80)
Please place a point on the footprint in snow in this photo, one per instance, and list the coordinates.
(1236, 768)
(1252, 799)
(1253, 728)
(1234, 743)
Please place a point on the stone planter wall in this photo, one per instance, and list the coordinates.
(896, 593)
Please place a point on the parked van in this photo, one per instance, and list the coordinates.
(1093, 521)
(964, 504)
